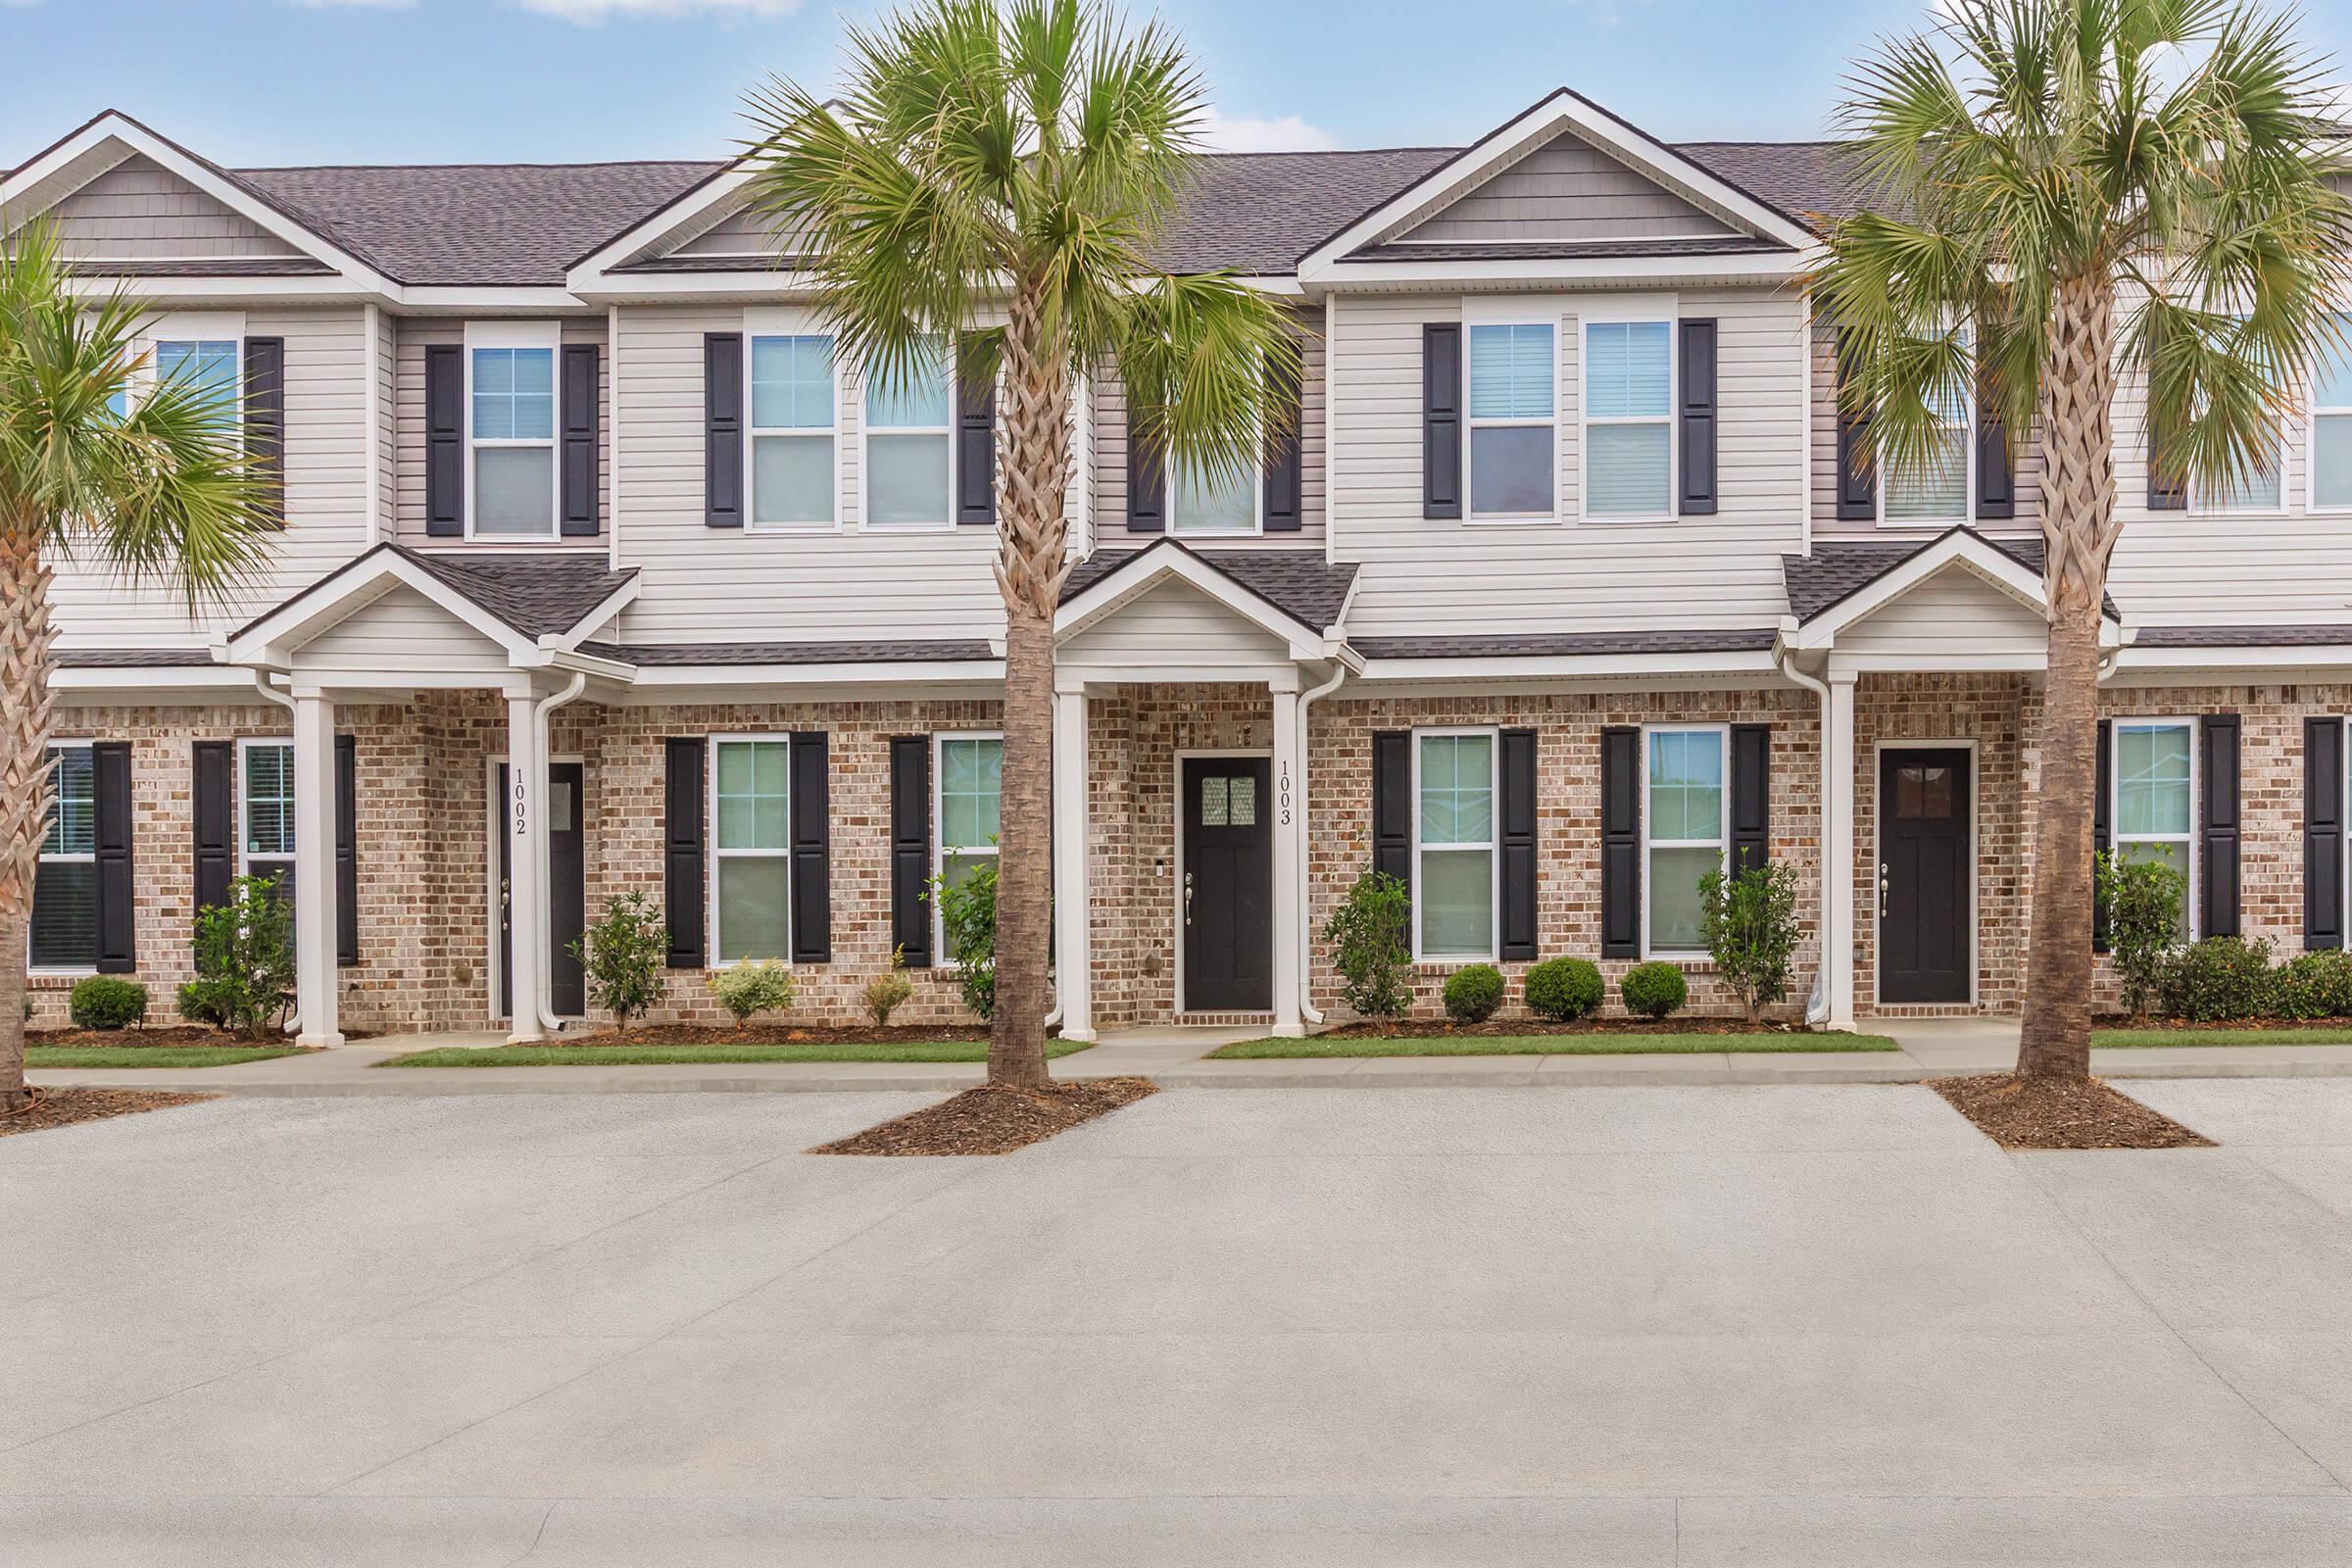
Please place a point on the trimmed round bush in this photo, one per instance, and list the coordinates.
(2314, 985)
(198, 1005)
(2220, 979)
(107, 1001)
(1472, 994)
(749, 989)
(1653, 989)
(1564, 989)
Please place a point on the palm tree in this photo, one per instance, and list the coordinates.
(2065, 197)
(153, 480)
(1001, 171)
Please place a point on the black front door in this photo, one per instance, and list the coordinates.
(1227, 901)
(567, 890)
(1926, 869)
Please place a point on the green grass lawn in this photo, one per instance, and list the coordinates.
(2160, 1039)
(152, 1055)
(682, 1056)
(1593, 1045)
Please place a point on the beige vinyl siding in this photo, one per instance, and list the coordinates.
(1567, 189)
(403, 630)
(1108, 410)
(1173, 626)
(1434, 576)
(703, 584)
(408, 414)
(139, 210)
(1821, 449)
(326, 522)
(1953, 612)
(385, 437)
(742, 232)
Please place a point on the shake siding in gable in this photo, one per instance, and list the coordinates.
(139, 209)
(701, 584)
(1566, 190)
(1428, 577)
(325, 458)
(408, 418)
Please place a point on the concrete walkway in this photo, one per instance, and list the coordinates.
(1174, 1058)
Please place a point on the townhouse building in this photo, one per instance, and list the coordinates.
(602, 570)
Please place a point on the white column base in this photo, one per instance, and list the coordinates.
(316, 974)
(1082, 1037)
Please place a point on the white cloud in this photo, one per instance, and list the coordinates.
(1289, 134)
(589, 13)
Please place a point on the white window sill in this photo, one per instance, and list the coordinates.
(805, 529)
(1610, 519)
(60, 974)
(1532, 519)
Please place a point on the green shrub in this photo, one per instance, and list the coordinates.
(1653, 989)
(1749, 927)
(624, 952)
(1368, 936)
(749, 989)
(967, 917)
(2142, 900)
(2219, 979)
(2314, 985)
(1565, 989)
(244, 959)
(107, 1001)
(885, 991)
(1473, 994)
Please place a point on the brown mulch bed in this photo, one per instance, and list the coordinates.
(2062, 1114)
(1439, 1028)
(163, 1037)
(63, 1107)
(773, 1034)
(993, 1119)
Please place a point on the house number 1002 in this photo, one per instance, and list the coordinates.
(522, 818)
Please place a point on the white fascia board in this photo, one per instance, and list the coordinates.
(1995, 568)
(516, 301)
(341, 594)
(192, 683)
(1587, 271)
(1167, 559)
(589, 271)
(670, 683)
(612, 604)
(2327, 662)
(1627, 669)
(1561, 111)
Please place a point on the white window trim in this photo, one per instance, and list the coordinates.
(548, 336)
(796, 321)
(1521, 315)
(939, 824)
(865, 452)
(1491, 848)
(74, 970)
(1722, 842)
(188, 326)
(1969, 480)
(1667, 309)
(246, 746)
(2315, 411)
(2191, 861)
(711, 746)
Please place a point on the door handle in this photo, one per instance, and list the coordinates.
(1187, 897)
(1883, 868)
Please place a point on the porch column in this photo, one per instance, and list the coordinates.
(1073, 913)
(1290, 902)
(314, 972)
(1837, 848)
(527, 791)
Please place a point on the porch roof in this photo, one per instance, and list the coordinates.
(1833, 573)
(1300, 583)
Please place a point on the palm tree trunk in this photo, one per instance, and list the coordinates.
(24, 766)
(2079, 532)
(1031, 565)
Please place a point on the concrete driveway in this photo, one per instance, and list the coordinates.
(1739, 1326)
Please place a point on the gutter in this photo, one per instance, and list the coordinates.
(261, 683)
(1817, 1006)
(545, 1000)
(1306, 951)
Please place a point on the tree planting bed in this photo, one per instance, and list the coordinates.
(2062, 1114)
(993, 1119)
(63, 1107)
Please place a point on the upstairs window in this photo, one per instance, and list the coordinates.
(266, 813)
(2154, 794)
(1629, 420)
(2331, 425)
(910, 444)
(1206, 501)
(792, 407)
(511, 396)
(204, 350)
(1936, 492)
(1514, 422)
(1453, 844)
(65, 882)
(1683, 819)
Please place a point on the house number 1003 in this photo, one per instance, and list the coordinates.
(1282, 797)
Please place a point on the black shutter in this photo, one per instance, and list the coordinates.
(2167, 491)
(976, 448)
(1393, 803)
(1620, 842)
(1284, 464)
(2217, 806)
(722, 429)
(1857, 487)
(2102, 830)
(812, 852)
(266, 419)
(214, 787)
(583, 398)
(1752, 796)
(1518, 844)
(910, 848)
(1146, 486)
(1442, 419)
(1996, 482)
(1698, 499)
(118, 910)
(346, 852)
(444, 439)
(2322, 833)
(682, 853)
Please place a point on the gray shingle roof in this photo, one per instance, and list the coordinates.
(2339, 636)
(1566, 644)
(1259, 213)
(538, 595)
(944, 652)
(1835, 571)
(1800, 178)
(129, 658)
(1300, 583)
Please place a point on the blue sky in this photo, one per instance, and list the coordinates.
(297, 81)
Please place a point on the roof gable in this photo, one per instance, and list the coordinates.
(1563, 189)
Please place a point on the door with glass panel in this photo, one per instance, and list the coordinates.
(566, 892)
(1226, 904)
(1927, 868)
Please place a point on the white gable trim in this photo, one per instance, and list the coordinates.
(1562, 111)
(272, 641)
(1165, 559)
(688, 214)
(1959, 550)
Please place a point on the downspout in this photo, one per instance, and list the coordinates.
(1817, 1006)
(1308, 1011)
(261, 683)
(539, 728)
